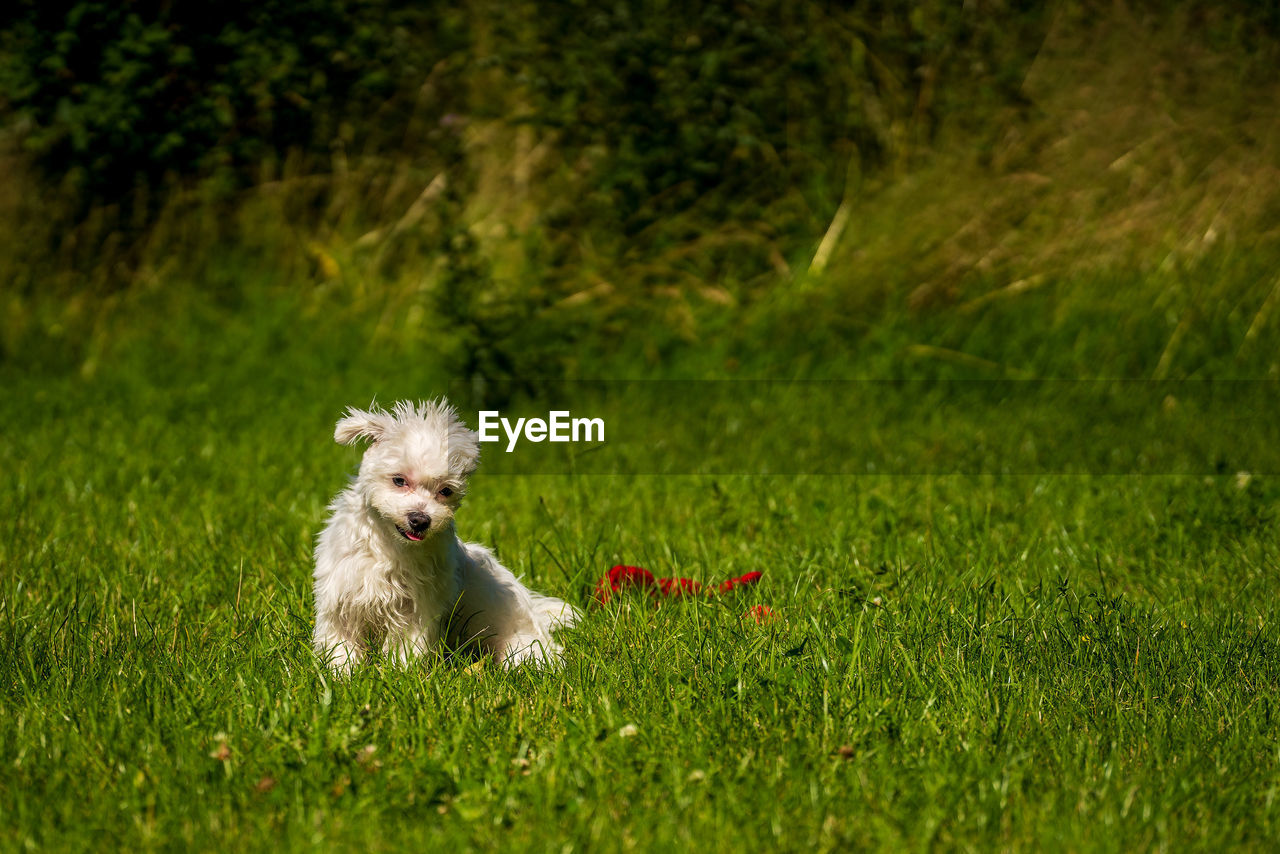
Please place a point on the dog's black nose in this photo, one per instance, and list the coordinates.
(418, 521)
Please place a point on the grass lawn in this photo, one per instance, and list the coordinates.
(1021, 661)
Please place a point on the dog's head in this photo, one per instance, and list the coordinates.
(414, 472)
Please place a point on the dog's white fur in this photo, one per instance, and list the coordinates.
(378, 575)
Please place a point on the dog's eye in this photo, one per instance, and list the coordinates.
(446, 492)
(398, 480)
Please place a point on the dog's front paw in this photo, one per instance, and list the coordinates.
(403, 648)
(339, 655)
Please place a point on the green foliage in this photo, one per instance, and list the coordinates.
(112, 95)
(749, 100)
(649, 179)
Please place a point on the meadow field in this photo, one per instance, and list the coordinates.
(1034, 660)
(960, 328)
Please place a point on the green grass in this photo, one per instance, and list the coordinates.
(1033, 661)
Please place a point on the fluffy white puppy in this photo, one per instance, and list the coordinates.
(389, 565)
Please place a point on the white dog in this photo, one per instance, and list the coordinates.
(389, 564)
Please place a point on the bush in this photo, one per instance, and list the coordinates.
(113, 95)
(748, 100)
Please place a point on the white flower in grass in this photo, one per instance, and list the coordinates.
(629, 731)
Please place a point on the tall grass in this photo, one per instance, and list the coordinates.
(1134, 141)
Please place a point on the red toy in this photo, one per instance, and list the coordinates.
(623, 578)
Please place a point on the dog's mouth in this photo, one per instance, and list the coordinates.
(409, 535)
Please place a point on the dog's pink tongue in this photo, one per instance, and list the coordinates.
(414, 536)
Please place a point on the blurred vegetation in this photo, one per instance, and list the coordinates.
(645, 187)
(113, 96)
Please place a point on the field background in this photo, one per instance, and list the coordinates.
(217, 237)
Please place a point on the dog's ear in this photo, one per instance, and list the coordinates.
(464, 448)
(358, 424)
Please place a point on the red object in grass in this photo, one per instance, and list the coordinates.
(741, 581)
(622, 578)
(761, 614)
